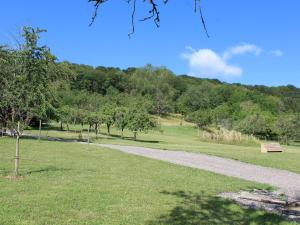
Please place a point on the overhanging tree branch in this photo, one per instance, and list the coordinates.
(154, 12)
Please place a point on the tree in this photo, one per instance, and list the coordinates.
(26, 83)
(286, 127)
(27, 79)
(154, 13)
(108, 113)
(94, 119)
(201, 118)
(122, 119)
(139, 121)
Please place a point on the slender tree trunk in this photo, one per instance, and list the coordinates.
(88, 137)
(17, 157)
(134, 135)
(74, 125)
(122, 132)
(108, 129)
(40, 129)
(61, 126)
(96, 130)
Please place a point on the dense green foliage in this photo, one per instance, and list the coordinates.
(254, 110)
(34, 86)
(29, 80)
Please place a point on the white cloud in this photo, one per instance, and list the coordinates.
(207, 63)
(190, 48)
(277, 53)
(241, 49)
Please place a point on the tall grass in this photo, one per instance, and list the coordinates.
(224, 136)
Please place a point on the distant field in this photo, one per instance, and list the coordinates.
(69, 184)
(176, 137)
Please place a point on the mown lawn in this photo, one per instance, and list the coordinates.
(175, 137)
(67, 183)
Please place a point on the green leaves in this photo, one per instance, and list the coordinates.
(139, 121)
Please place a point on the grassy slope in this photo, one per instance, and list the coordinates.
(175, 137)
(66, 183)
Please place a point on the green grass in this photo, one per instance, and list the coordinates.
(185, 138)
(68, 184)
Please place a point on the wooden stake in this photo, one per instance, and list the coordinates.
(40, 129)
(88, 137)
(17, 158)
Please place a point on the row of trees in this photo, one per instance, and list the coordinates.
(134, 119)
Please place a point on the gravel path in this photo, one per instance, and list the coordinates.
(287, 182)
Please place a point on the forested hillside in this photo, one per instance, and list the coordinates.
(257, 110)
(34, 85)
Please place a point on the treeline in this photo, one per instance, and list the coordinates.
(35, 86)
(265, 112)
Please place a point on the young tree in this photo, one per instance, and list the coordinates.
(286, 127)
(26, 82)
(139, 121)
(108, 116)
(122, 118)
(94, 120)
(64, 115)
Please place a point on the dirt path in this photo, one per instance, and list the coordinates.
(287, 182)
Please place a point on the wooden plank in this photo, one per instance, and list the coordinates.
(271, 147)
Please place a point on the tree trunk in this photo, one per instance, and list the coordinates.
(61, 126)
(122, 132)
(96, 130)
(89, 138)
(17, 157)
(134, 135)
(108, 129)
(40, 130)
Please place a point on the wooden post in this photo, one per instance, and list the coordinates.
(40, 129)
(17, 157)
(88, 137)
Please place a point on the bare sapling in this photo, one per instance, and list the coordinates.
(17, 157)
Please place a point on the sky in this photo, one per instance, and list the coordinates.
(251, 41)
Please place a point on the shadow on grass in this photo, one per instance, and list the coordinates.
(48, 138)
(117, 136)
(68, 139)
(46, 170)
(195, 209)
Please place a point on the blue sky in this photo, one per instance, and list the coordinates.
(252, 41)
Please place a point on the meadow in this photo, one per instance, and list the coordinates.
(175, 135)
(68, 183)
